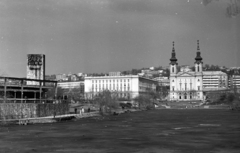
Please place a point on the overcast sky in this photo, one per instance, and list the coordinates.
(114, 35)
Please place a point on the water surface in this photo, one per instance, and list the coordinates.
(167, 131)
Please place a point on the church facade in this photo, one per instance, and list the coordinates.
(186, 84)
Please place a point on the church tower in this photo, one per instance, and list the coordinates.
(173, 63)
(198, 60)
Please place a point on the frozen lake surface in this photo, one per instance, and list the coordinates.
(154, 131)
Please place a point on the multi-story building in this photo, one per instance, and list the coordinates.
(163, 81)
(149, 72)
(61, 77)
(215, 80)
(114, 73)
(234, 82)
(50, 77)
(186, 84)
(69, 77)
(129, 86)
(70, 84)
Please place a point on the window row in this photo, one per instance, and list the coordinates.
(117, 89)
(113, 80)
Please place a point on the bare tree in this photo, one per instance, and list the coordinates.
(75, 94)
(106, 100)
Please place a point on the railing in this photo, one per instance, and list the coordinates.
(8, 81)
(19, 100)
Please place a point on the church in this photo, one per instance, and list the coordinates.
(186, 84)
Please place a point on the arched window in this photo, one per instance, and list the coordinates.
(172, 69)
(185, 95)
(198, 68)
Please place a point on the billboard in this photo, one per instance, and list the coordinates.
(35, 68)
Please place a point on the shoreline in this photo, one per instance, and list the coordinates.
(195, 107)
(48, 119)
(68, 117)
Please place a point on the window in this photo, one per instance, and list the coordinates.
(172, 69)
(198, 68)
(198, 88)
(172, 88)
(172, 80)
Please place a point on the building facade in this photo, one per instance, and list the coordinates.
(129, 86)
(114, 73)
(71, 84)
(215, 80)
(75, 88)
(234, 82)
(187, 84)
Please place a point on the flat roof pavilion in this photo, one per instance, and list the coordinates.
(24, 90)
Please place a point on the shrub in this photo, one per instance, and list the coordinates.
(230, 97)
(223, 97)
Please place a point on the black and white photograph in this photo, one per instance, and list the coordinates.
(119, 76)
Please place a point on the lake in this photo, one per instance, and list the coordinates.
(166, 130)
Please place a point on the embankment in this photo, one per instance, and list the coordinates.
(31, 110)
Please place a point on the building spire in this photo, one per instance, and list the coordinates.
(198, 57)
(173, 49)
(198, 48)
(173, 58)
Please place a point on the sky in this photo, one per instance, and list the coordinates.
(94, 36)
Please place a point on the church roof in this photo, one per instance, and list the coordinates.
(188, 73)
